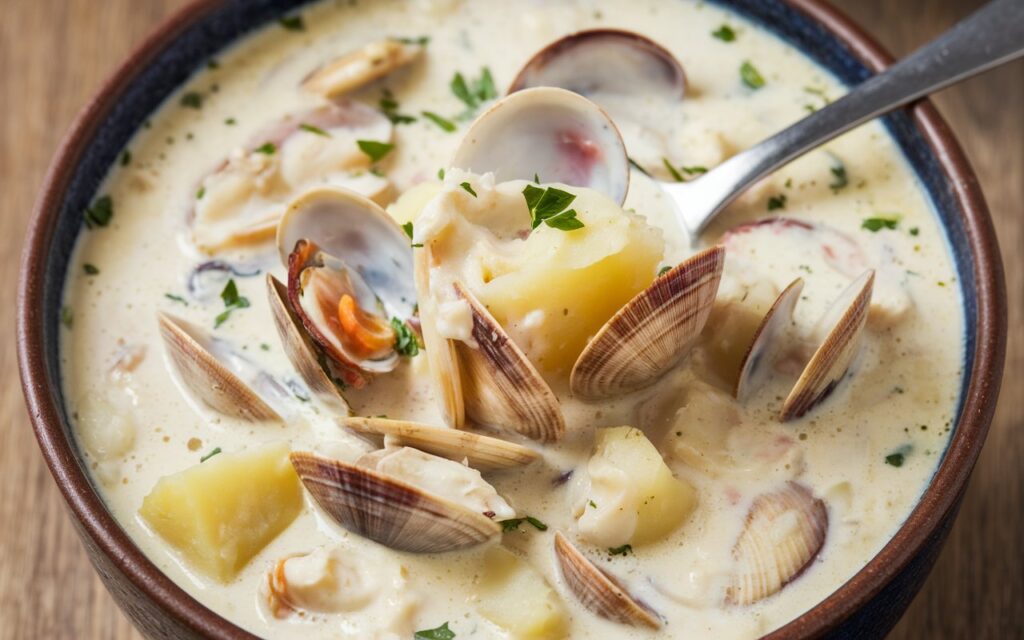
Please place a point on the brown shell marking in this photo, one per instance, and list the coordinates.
(652, 332)
(393, 513)
(598, 590)
(207, 377)
(784, 531)
(502, 389)
(830, 361)
(483, 453)
(765, 346)
(361, 67)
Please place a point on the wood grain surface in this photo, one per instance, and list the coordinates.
(53, 55)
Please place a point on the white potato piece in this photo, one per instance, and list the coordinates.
(514, 596)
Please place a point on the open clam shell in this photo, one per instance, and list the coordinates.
(441, 355)
(605, 61)
(764, 347)
(307, 357)
(652, 332)
(361, 67)
(554, 134)
(785, 530)
(842, 328)
(482, 452)
(388, 511)
(598, 590)
(197, 355)
(502, 389)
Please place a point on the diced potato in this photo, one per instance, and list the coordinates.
(222, 512)
(411, 202)
(514, 596)
(634, 498)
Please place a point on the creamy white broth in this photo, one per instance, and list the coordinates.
(140, 426)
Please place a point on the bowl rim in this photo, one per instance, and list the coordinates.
(938, 500)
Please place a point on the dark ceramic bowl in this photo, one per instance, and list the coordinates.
(868, 605)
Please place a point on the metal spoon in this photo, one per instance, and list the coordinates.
(991, 36)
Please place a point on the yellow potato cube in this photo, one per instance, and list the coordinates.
(222, 512)
(634, 498)
(514, 596)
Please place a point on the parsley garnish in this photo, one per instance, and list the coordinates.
(192, 100)
(512, 524)
(67, 316)
(620, 551)
(777, 202)
(677, 174)
(678, 177)
(440, 173)
(841, 180)
(469, 188)
(662, 271)
(636, 165)
(751, 76)
(231, 122)
(445, 124)
(389, 106)
(550, 206)
(267, 147)
(877, 224)
(99, 213)
(200, 193)
(126, 158)
(292, 23)
(472, 94)
(421, 40)
(90, 269)
(406, 342)
(210, 455)
(914, 231)
(724, 33)
(376, 150)
(440, 633)
(593, 504)
(264, 346)
(894, 459)
(312, 129)
(232, 301)
(176, 298)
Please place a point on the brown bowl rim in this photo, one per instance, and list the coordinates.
(941, 496)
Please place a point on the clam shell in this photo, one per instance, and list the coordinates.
(307, 358)
(361, 67)
(554, 134)
(605, 61)
(598, 590)
(764, 347)
(441, 355)
(502, 389)
(652, 332)
(844, 324)
(784, 532)
(483, 453)
(389, 511)
(206, 376)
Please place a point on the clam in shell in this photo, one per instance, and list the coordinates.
(481, 452)
(444, 368)
(652, 332)
(204, 364)
(361, 67)
(598, 590)
(554, 134)
(765, 346)
(842, 327)
(784, 531)
(389, 511)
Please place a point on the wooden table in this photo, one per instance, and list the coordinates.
(53, 55)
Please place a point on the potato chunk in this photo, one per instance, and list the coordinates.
(633, 497)
(222, 512)
(514, 596)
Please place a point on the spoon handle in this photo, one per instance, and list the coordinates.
(991, 36)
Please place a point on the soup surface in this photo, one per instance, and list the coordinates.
(163, 237)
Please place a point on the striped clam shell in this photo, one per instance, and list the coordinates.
(765, 345)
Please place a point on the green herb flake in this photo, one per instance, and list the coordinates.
(67, 316)
(443, 123)
(314, 130)
(914, 231)
(212, 63)
(268, 148)
(678, 177)
(636, 165)
(472, 94)
(99, 213)
(592, 504)
(176, 298)
(438, 633)
(551, 206)
(230, 122)
(232, 301)
(469, 188)
(750, 76)
(407, 228)
(620, 551)
(406, 342)
(724, 33)
(264, 346)
(210, 455)
(292, 23)
(876, 224)
(90, 269)
(662, 271)
(440, 173)
(461, 90)
(484, 88)
(840, 178)
(512, 524)
(894, 459)
(126, 158)
(200, 193)
(695, 170)
(376, 150)
(777, 202)
(192, 100)
(420, 40)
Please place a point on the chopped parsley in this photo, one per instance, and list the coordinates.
(210, 455)
(469, 189)
(200, 193)
(438, 633)
(593, 504)
(625, 549)
(192, 100)
(840, 178)
(777, 202)
(315, 130)
(724, 33)
(389, 106)
(264, 346)
(750, 76)
(636, 165)
(407, 228)
(443, 123)
(67, 316)
(406, 342)
(878, 223)
(90, 269)
(99, 213)
(230, 122)
(473, 93)
(232, 301)
(678, 177)
(376, 150)
(551, 206)
(267, 148)
(894, 459)
(420, 40)
(662, 271)
(440, 173)
(126, 158)
(176, 298)
(293, 23)
(914, 231)
(512, 524)
(677, 174)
